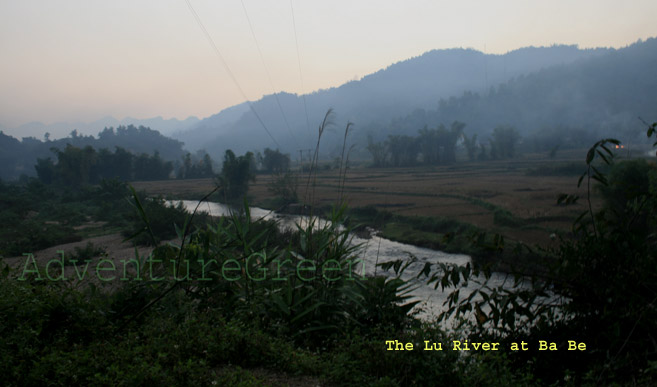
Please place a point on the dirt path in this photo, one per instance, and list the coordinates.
(113, 246)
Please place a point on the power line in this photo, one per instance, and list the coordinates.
(230, 73)
(296, 41)
(271, 83)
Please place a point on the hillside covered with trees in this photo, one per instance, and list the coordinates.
(415, 83)
(594, 97)
(18, 157)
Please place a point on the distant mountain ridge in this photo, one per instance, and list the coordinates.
(63, 129)
(605, 95)
(529, 88)
(375, 99)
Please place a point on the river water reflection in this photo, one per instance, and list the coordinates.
(375, 249)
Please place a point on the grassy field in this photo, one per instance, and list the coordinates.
(516, 198)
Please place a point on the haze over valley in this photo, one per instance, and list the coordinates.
(345, 193)
(596, 91)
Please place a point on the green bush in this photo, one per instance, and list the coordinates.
(503, 217)
(628, 181)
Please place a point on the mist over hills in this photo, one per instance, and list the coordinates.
(600, 91)
(19, 157)
(373, 101)
(63, 129)
(604, 94)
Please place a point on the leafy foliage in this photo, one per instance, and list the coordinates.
(29, 221)
(19, 157)
(202, 168)
(433, 146)
(600, 287)
(273, 161)
(284, 186)
(76, 166)
(503, 142)
(235, 176)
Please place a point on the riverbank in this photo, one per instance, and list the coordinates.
(489, 251)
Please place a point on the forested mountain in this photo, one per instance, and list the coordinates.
(20, 157)
(535, 90)
(395, 91)
(604, 95)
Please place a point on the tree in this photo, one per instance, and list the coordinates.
(503, 143)
(438, 146)
(151, 167)
(206, 166)
(195, 167)
(236, 173)
(123, 161)
(627, 192)
(284, 186)
(470, 144)
(430, 144)
(274, 161)
(449, 140)
(45, 169)
(403, 150)
(186, 170)
(74, 165)
(378, 151)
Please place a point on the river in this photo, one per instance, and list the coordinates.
(376, 250)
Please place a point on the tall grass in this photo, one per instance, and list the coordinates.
(312, 174)
(342, 175)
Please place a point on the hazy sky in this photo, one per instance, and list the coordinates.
(80, 60)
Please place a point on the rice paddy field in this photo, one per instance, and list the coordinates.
(516, 198)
